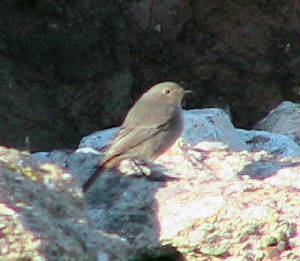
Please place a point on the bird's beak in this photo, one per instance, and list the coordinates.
(187, 91)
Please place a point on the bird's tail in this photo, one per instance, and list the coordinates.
(92, 178)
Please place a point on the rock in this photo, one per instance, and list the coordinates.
(98, 139)
(211, 125)
(271, 142)
(213, 200)
(205, 124)
(165, 17)
(221, 199)
(284, 119)
(81, 163)
(43, 217)
(234, 199)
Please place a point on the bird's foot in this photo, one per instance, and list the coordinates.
(141, 168)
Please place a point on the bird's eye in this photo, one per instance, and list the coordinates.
(167, 91)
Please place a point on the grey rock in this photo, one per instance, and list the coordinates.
(211, 125)
(43, 215)
(140, 216)
(275, 143)
(199, 125)
(98, 139)
(284, 119)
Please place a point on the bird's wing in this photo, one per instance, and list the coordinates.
(130, 137)
(149, 114)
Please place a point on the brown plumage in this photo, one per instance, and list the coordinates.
(151, 126)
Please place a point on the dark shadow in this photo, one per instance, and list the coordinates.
(126, 206)
(265, 169)
(120, 205)
(171, 254)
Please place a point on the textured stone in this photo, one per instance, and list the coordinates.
(211, 200)
(42, 214)
(284, 119)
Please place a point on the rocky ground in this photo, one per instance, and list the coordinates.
(231, 195)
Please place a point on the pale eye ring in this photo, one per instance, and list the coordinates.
(167, 91)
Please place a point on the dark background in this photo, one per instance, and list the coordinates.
(68, 68)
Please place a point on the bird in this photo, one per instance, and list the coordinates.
(152, 125)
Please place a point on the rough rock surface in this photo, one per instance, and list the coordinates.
(284, 119)
(68, 68)
(205, 124)
(238, 206)
(214, 125)
(272, 142)
(43, 217)
(221, 203)
(203, 201)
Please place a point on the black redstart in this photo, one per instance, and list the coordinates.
(151, 126)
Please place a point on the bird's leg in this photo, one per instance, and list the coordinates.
(142, 168)
(135, 166)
